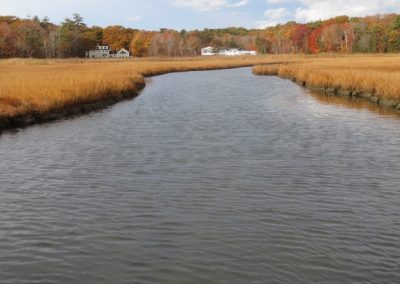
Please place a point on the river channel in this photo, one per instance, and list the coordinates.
(206, 177)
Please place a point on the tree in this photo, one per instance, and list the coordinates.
(70, 37)
(263, 45)
(35, 37)
(7, 40)
(394, 36)
(380, 38)
(51, 43)
(99, 33)
(78, 20)
(89, 39)
(314, 40)
(192, 44)
(29, 40)
(362, 37)
(394, 41)
(140, 44)
(117, 37)
(167, 43)
(299, 38)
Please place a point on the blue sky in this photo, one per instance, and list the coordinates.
(195, 14)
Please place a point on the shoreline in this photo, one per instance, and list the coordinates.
(340, 92)
(30, 118)
(372, 98)
(85, 86)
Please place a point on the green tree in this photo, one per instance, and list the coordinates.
(29, 39)
(394, 36)
(71, 36)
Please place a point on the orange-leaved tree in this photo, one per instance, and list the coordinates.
(140, 43)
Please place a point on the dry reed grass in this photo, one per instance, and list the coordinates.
(377, 75)
(43, 86)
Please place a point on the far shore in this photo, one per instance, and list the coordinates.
(34, 91)
(372, 78)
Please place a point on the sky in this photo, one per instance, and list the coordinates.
(195, 14)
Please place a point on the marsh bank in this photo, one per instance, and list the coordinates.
(375, 80)
(30, 114)
(62, 109)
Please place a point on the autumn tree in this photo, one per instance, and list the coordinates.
(7, 40)
(263, 45)
(140, 44)
(29, 39)
(192, 44)
(314, 40)
(35, 37)
(299, 38)
(394, 36)
(118, 37)
(166, 43)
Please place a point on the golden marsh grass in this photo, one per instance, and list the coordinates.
(45, 86)
(378, 75)
(29, 86)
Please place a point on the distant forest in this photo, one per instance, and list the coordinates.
(39, 38)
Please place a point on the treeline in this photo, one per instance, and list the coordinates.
(372, 34)
(40, 38)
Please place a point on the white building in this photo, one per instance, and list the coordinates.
(236, 52)
(122, 53)
(248, 52)
(207, 51)
(103, 51)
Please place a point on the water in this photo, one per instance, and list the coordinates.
(207, 177)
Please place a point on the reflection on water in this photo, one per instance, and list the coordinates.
(207, 177)
(355, 103)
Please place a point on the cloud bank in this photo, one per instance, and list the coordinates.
(313, 10)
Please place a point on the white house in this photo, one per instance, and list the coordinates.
(122, 53)
(236, 52)
(232, 52)
(248, 52)
(103, 51)
(207, 51)
(226, 52)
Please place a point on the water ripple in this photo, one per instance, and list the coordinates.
(207, 177)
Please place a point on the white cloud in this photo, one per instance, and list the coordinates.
(276, 14)
(279, 1)
(240, 3)
(263, 24)
(207, 5)
(313, 10)
(272, 17)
